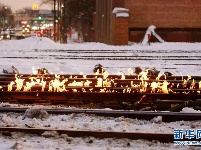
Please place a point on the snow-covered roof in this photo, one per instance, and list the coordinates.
(118, 9)
(121, 12)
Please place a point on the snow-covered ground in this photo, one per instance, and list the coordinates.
(23, 141)
(20, 141)
(74, 58)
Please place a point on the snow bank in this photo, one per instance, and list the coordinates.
(32, 42)
(43, 43)
(190, 110)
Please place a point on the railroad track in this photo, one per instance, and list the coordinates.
(113, 91)
(97, 134)
(174, 61)
(47, 131)
(105, 57)
(166, 116)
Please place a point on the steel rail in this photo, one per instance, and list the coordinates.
(95, 95)
(136, 101)
(97, 76)
(94, 80)
(146, 115)
(119, 92)
(115, 82)
(125, 89)
(162, 137)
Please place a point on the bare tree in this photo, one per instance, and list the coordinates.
(49, 2)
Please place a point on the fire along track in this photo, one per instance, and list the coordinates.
(114, 91)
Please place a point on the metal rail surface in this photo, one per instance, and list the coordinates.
(97, 134)
(162, 137)
(166, 116)
(113, 91)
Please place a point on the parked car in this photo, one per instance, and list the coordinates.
(7, 34)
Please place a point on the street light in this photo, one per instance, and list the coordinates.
(59, 6)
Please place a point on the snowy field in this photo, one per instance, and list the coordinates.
(21, 141)
(74, 58)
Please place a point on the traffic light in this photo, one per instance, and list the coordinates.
(59, 18)
(39, 17)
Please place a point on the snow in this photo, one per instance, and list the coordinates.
(22, 141)
(89, 122)
(52, 140)
(122, 15)
(121, 12)
(151, 31)
(117, 9)
(190, 110)
(60, 58)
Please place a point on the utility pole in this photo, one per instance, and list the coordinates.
(54, 36)
(64, 19)
(60, 21)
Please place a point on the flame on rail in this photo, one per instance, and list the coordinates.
(59, 84)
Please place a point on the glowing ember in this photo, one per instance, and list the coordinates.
(56, 85)
(192, 86)
(128, 90)
(105, 75)
(28, 86)
(10, 86)
(122, 75)
(87, 83)
(74, 90)
(74, 83)
(99, 82)
(19, 82)
(164, 87)
(143, 86)
(103, 90)
(43, 83)
(143, 75)
(154, 85)
(83, 90)
(199, 85)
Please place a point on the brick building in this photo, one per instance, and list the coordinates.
(175, 20)
(109, 28)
